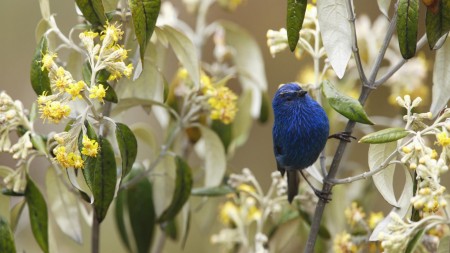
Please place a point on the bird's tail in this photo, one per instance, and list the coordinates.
(292, 181)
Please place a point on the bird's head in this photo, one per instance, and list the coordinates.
(288, 93)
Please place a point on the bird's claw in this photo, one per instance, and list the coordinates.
(343, 136)
(325, 196)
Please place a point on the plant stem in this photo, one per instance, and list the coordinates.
(365, 91)
(95, 236)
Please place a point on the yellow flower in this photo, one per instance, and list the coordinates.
(443, 139)
(74, 89)
(110, 35)
(354, 214)
(75, 160)
(227, 213)
(54, 111)
(90, 34)
(97, 91)
(342, 244)
(246, 188)
(374, 219)
(47, 60)
(90, 147)
(223, 105)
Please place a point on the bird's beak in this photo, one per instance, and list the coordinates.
(302, 93)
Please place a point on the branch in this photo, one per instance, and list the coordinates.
(355, 48)
(365, 175)
(392, 71)
(365, 91)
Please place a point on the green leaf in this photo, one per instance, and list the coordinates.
(415, 241)
(444, 245)
(183, 186)
(103, 172)
(38, 77)
(407, 25)
(119, 216)
(215, 191)
(184, 49)
(6, 237)
(224, 131)
(210, 148)
(15, 213)
(89, 162)
(142, 214)
(110, 95)
(265, 108)
(93, 11)
(437, 22)
(384, 180)
(296, 10)
(345, 105)
(144, 14)
(170, 229)
(38, 214)
(385, 135)
(127, 145)
(63, 206)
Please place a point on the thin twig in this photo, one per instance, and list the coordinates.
(394, 69)
(355, 48)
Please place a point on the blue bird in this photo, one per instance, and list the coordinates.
(300, 132)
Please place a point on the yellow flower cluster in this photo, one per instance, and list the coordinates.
(67, 154)
(354, 214)
(443, 139)
(98, 92)
(232, 214)
(68, 159)
(108, 54)
(222, 101)
(90, 147)
(342, 244)
(54, 111)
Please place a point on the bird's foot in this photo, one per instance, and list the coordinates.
(325, 196)
(343, 136)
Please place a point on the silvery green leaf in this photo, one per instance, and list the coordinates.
(184, 49)
(211, 149)
(444, 245)
(249, 63)
(63, 206)
(93, 11)
(242, 122)
(15, 213)
(441, 79)
(384, 5)
(415, 241)
(383, 180)
(45, 9)
(336, 33)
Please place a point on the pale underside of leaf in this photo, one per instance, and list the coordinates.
(441, 79)
(383, 180)
(384, 5)
(336, 33)
(211, 148)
